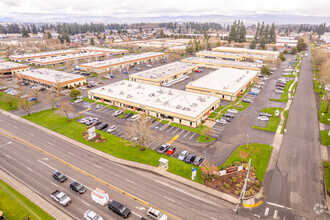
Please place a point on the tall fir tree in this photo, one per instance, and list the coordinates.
(272, 34)
(233, 33)
(256, 36)
(242, 33)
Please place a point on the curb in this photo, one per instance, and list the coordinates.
(111, 158)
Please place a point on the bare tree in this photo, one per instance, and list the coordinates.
(35, 93)
(57, 86)
(52, 99)
(207, 131)
(11, 100)
(24, 104)
(141, 133)
(65, 109)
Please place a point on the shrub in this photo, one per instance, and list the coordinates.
(237, 192)
(228, 165)
(237, 163)
(238, 185)
(226, 185)
(233, 179)
(257, 183)
(247, 193)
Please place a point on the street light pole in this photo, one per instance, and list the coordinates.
(247, 142)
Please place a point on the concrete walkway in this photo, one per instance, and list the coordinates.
(34, 197)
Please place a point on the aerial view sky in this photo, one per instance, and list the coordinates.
(146, 8)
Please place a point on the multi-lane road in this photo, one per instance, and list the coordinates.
(34, 168)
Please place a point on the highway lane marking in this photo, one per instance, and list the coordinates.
(266, 211)
(130, 181)
(187, 134)
(6, 144)
(31, 134)
(8, 156)
(85, 203)
(173, 139)
(72, 154)
(15, 126)
(97, 166)
(87, 174)
(192, 136)
(169, 199)
(281, 206)
(50, 143)
(137, 214)
(140, 208)
(275, 214)
(54, 184)
(29, 169)
(184, 192)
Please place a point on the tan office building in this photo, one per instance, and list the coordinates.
(186, 108)
(109, 51)
(31, 56)
(9, 68)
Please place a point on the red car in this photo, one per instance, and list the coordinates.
(197, 71)
(170, 151)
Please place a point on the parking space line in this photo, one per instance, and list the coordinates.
(187, 134)
(192, 136)
(155, 146)
(120, 133)
(169, 129)
(163, 127)
(181, 132)
(175, 130)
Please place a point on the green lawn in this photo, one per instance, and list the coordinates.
(164, 122)
(259, 154)
(285, 114)
(284, 97)
(213, 115)
(292, 75)
(273, 121)
(205, 139)
(93, 75)
(325, 138)
(319, 90)
(220, 108)
(129, 111)
(196, 130)
(16, 206)
(89, 100)
(115, 146)
(294, 88)
(5, 105)
(327, 174)
(325, 118)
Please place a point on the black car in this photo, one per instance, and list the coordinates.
(102, 126)
(78, 187)
(265, 114)
(128, 115)
(163, 149)
(119, 209)
(229, 115)
(59, 176)
(190, 158)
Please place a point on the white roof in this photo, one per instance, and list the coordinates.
(49, 75)
(164, 71)
(42, 54)
(225, 79)
(165, 99)
(245, 50)
(103, 49)
(238, 55)
(70, 57)
(224, 62)
(124, 59)
(9, 65)
(210, 53)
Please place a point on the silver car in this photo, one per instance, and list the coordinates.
(112, 129)
(183, 155)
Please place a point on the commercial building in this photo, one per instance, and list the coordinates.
(226, 83)
(164, 74)
(179, 106)
(245, 51)
(108, 51)
(218, 63)
(239, 56)
(52, 61)
(52, 78)
(7, 68)
(32, 56)
(122, 63)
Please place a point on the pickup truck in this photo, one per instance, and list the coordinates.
(61, 198)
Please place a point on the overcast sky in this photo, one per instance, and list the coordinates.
(142, 8)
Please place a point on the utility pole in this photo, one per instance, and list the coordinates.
(241, 197)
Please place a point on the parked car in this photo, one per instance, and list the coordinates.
(183, 155)
(156, 214)
(148, 65)
(163, 149)
(190, 158)
(32, 99)
(59, 176)
(263, 118)
(117, 113)
(247, 100)
(265, 114)
(222, 121)
(197, 71)
(265, 78)
(234, 111)
(136, 138)
(90, 215)
(198, 161)
(134, 117)
(229, 115)
(78, 187)
(112, 128)
(262, 83)
(226, 119)
(102, 126)
(98, 106)
(138, 69)
(253, 93)
(280, 87)
(77, 100)
(170, 150)
(279, 91)
(128, 115)
(95, 123)
(119, 209)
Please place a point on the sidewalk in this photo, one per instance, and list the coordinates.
(34, 197)
(109, 157)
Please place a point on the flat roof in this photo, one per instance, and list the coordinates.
(164, 71)
(216, 53)
(103, 49)
(68, 57)
(245, 50)
(225, 79)
(222, 62)
(49, 53)
(166, 99)
(53, 76)
(9, 65)
(124, 59)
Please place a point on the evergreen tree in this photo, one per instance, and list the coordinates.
(25, 32)
(256, 36)
(190, 48)
(228, 28)
(242, 33)
(272, 34)
(262, 45)
(301, 45)
(49, 35)
(92, 41)
(262, 31)
(264, 70)
(253, 44)
(233, 32)
(28, 29)
(266, 34)
(34, 29)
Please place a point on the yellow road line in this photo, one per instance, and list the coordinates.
(85, 111)
(83, 172)
(173, 139)
(254, 205)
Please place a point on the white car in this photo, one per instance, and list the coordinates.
(156, 214)
(265, 78)
(83, 88)
(98, 106)
(112, 129)
(222, 121)
(232, 111)
(90, 215)
(183, 155)
(134, 117)
(263, 118)
(279, 91)
(78, 100)
(118, 112)
(83, 120)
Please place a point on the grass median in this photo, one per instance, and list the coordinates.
(327, 175)
(284, 96)
(273, 122)
(259, 154)
(285, 114)
(323, 115)
(114, 146)
(325, 138)
(4, 104)
(16, 206)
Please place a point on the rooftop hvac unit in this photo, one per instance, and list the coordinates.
(158, 101)
(121, 93)
(129, 85)
(201, 99)
(194, 105)
(139, 87)
(152, 94)
(129, 96)
(178, 107)
(166, 103)
(110, 90)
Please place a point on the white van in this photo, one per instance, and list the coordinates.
(100, 197)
